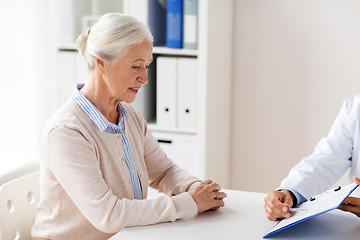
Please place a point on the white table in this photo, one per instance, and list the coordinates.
(243, 218)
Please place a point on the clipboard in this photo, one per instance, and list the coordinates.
(322, 203)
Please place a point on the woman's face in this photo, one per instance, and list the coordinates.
(125, 76)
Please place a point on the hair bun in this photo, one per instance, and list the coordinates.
(81, 43)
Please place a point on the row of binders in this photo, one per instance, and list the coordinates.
(176, 97)
(174, 23)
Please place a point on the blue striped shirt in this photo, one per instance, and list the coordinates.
(105, 126)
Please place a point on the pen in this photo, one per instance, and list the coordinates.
(297, 210)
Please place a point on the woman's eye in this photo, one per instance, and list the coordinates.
(136, 67)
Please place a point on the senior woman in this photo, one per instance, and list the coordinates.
(98, 155)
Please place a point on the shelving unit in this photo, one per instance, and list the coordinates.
(177, 52)
(154, 127)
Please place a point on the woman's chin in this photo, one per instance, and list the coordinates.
(129, 100)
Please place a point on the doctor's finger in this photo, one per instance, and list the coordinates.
(270, 215)
(275, 209)
(353, 201)
(274, 214)
(356, 180)
(350, 208)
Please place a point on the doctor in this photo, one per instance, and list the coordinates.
(333, 155)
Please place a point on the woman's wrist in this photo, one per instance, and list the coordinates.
(193, 186)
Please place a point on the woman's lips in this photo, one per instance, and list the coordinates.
(134, 89)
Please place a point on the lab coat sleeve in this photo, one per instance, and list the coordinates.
(330, 160)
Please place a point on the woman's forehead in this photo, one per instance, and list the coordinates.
(139, 52)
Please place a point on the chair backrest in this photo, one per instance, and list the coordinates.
(18, 200)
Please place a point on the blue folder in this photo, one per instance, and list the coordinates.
(174, 23)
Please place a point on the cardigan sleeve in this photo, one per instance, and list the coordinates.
(73, 161)
(164, 174)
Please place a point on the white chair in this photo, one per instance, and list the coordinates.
(18, 199)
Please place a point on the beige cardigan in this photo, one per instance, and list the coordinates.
(85, 184)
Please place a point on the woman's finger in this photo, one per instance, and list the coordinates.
(220, 195)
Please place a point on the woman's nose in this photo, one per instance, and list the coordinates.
(143, 78)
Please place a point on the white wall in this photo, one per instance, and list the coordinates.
(294, 64)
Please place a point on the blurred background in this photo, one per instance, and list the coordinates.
(271, 77)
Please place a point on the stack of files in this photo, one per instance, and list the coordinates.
(173, 23)
(177, 87)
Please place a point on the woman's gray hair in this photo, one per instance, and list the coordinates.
(110, 37)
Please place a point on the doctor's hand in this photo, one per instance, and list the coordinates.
(207, 196)
(278, 203)
(352, 204)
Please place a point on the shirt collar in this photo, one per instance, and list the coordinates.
(97, 117)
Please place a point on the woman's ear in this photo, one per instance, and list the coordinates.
(100, 65)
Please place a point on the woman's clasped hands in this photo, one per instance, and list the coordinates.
(208, 196)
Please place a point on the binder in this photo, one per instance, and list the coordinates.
(157, 21)
(166, 70)
(322, 203)
(190, 30)
(174, 21)
(187, 93)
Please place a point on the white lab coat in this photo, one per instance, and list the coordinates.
(333, 155)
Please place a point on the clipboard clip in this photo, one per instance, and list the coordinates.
(328, 191)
